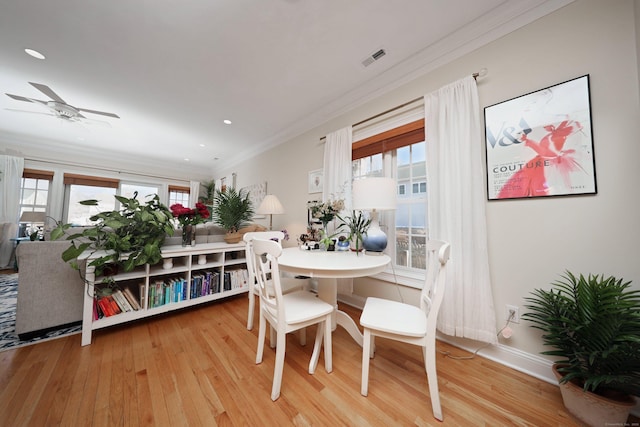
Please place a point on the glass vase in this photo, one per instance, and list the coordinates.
(188, 235)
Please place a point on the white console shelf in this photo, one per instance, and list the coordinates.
(177, 261)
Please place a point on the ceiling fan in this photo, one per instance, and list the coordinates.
(57, 105)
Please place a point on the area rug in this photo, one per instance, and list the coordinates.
(8, 299)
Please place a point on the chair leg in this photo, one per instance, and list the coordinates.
(317, 346)
(262, 332)
(272, 337)
(279, 366)
(328, 344)
(252, 304)
(432, 377)
(302, 336)
(366, 355)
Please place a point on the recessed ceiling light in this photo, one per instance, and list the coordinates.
(226, 121)
(186, 160)
(34, 53)
(202, 145)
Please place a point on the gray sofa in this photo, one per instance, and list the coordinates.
(50, 292)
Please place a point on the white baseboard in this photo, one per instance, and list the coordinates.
(519, 360)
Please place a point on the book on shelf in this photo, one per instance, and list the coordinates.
(128, 293)
(122, 302)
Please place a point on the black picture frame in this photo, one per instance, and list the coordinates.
(541, 144)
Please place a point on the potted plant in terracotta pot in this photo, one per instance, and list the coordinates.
(232, 210)
(592, 324)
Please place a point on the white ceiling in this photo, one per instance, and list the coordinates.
(173, 71)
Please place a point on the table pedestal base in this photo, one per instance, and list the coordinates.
(328, 291)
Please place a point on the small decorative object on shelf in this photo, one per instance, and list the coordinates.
(202, 259)
(167, 263)
(188, 219)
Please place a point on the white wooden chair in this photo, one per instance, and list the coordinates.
(408, 323)
(288, 284)
(287, 312)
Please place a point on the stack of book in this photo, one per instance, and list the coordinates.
(119, 301)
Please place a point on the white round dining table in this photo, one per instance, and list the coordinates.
(329, 266)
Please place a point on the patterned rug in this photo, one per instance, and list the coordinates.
(8, 299)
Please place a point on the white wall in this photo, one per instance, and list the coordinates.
(531, 242)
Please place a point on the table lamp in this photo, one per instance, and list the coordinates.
(374, 194)
(35, 221)
(270, 206)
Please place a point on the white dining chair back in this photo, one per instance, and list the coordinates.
(288, 284)
(410, 324)
(287, 312)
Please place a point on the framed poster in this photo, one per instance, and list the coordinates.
(315, 181)
(541, 144)
(256, 192)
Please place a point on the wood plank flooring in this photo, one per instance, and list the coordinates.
(197, 367)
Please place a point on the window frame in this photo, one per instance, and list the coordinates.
(386, 143)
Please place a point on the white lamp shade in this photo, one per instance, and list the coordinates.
(270, 205)
(33, 217)
(374, 194)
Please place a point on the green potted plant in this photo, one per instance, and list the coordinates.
(129, 237)
(592, 324)
(357, 226)
(232, 210)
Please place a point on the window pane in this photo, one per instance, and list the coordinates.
(80, 214)
(127, 190)
(28, 197)
(29, 183)
(418, 253)
(404, 156)
(41, 197)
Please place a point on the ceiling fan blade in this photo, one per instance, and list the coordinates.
(47, 91)
(18, 97)
(24, 98)
(98, 112)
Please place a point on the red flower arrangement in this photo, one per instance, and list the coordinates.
(188, 216)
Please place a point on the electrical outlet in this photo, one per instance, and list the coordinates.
(516, 313)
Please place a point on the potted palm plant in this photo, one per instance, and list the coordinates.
(129, 237)
(357, 226)
(592, 324)
(232, 210)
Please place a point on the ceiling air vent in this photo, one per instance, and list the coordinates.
(373, 57)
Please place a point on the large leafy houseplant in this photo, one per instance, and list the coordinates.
(130, 237)
(593, 325)
(232, 209)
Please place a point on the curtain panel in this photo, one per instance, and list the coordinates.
(456, 208)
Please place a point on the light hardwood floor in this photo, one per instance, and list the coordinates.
(197, 367)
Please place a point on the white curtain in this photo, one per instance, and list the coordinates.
(10, 182)
(337, 179)
(456, 208)
(194, 192)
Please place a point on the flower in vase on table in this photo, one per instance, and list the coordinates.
(327, 211)
(190, 216)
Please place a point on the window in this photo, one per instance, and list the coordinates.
(34, 193)
(179, 195)
(400, 153)
(81, 187)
